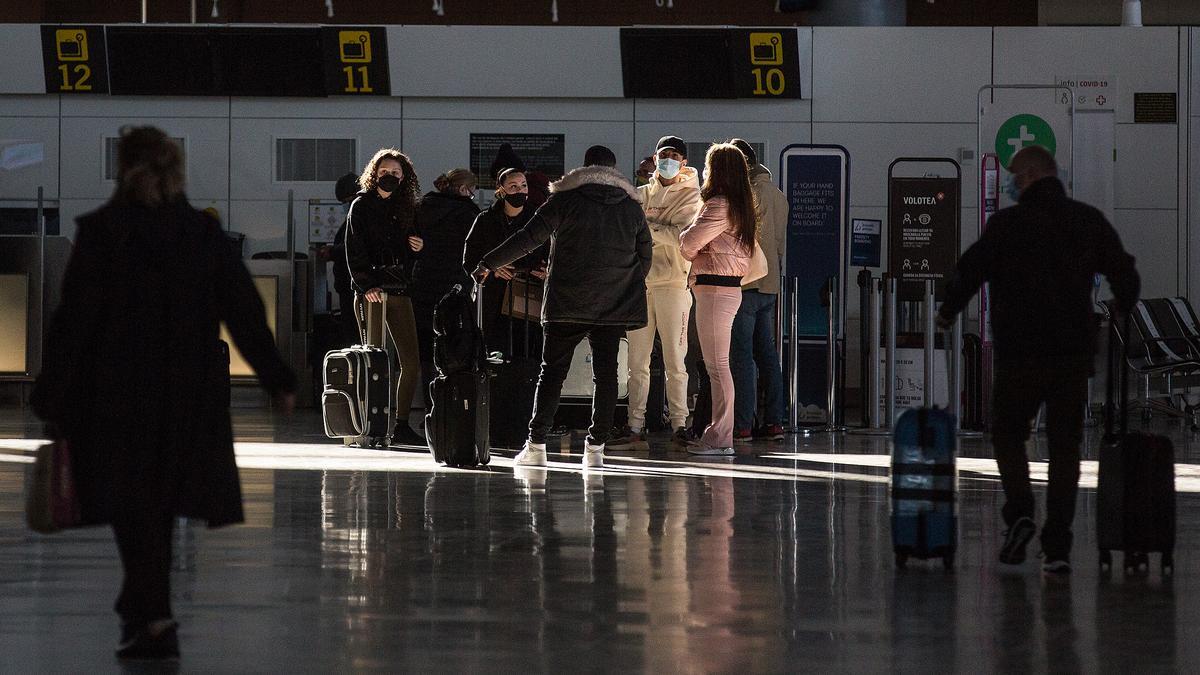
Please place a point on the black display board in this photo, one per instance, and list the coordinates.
(217, 61)
(75, 59)
(539, 152)
(923, 231)
(710, 63)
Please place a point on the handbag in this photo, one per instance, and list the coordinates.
(758, 266)
(523, 299)
(51, 502)
(391, 278)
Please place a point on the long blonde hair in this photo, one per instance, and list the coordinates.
(149, 167)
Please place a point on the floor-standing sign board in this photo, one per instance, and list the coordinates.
(815, 179)
(923, 226)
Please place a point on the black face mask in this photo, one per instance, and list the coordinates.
(388, 182)
(516, 201)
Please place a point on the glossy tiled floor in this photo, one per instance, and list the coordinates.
(776, 560)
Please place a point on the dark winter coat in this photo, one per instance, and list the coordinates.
(1039, 258)
(490, 229)
(134, 376)
(600, 250)
(377, 232)
(444, 221)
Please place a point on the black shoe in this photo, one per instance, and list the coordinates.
(684, 437)
(404, 435)
(145, 645)
(1016, 538)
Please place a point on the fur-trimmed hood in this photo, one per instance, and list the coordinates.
(594, 176)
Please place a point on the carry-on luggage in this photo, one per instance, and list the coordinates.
(516, 374)
(924, 519)
(356, 401)
(1136, 493)
(456, 428)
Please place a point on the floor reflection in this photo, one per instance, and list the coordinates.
(779, 560)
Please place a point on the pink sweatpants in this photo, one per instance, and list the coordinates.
(715, 308)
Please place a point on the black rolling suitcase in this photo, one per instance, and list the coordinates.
(1136, 492)
(516, 374)
(356, 401)
(456, 427)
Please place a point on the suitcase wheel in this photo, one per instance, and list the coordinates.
(1168, 563)
(1105, 560)
(901, 560)
(1136, 563)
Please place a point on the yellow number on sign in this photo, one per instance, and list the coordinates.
(365, 88)
(775, 83)
(82, 70)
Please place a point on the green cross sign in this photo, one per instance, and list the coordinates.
(1020, 131)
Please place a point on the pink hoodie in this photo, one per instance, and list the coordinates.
(710, 244)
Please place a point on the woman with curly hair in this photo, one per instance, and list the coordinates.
(382, 244)
(720, 243)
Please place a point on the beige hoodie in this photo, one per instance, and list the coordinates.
(669, 209)
(772, 232)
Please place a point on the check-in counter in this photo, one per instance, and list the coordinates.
(25, 306)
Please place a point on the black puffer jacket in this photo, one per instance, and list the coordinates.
(377, 232)
(490, 230)
(1039, 258)
(600, 250)
(443, 221)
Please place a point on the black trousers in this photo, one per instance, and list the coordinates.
(1019, 390)
(144, 542)
(557, 350)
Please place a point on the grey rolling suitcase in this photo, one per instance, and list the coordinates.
(356, 401)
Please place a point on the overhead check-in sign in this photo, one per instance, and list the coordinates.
(74, 58)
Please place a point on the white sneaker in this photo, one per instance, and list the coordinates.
(706, 449)
(534, 454)
(593, 456)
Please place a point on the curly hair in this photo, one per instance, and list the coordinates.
(410, 188)
(727, 174)
(149, 167)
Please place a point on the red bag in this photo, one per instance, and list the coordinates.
(51, 503)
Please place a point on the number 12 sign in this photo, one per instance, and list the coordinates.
(75, 59)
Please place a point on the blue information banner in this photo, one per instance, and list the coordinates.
(813, 185)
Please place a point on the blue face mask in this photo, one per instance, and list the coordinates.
(1010, 187)
(668, 168)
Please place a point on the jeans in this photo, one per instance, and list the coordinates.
(715, 308)
(752, 356)
(1018, 392)
(144, 542)
(558, 348)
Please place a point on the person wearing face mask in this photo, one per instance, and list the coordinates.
(443, 218)
(507, 215)
(671, 201)
(382, 244)
(1040, 258)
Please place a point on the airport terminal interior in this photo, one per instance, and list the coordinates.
(887, 128)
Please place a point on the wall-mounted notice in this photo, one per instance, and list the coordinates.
(1154, 107)
(923, 232)
(1091, 92)
(325, 218)
(539, 152)
(865, 242)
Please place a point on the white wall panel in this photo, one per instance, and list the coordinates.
(669, 110)
(436, 146)
(21, 59)
(206, 149)
(873, 146)
(70, 209)
(1193, 37)
(1150, 236)
(346, 108)
(252, 151)
(581, 110)
(1140, 59)
(899, 74)
(1147, 171)
(29, 106)
(454, 61)
(264, 222)
(142, 107)
(29, 136)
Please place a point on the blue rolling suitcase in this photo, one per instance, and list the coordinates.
(924, 519)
